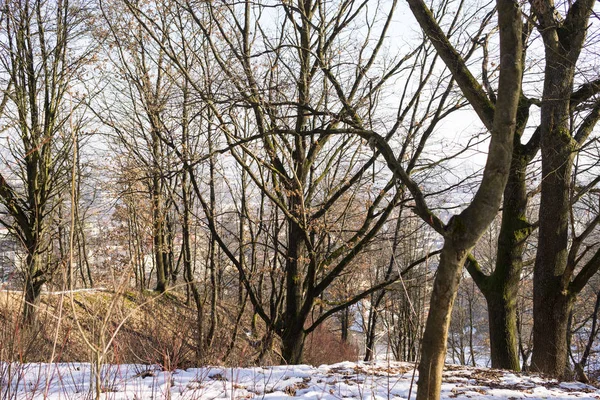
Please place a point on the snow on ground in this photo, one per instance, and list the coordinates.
(382, 380)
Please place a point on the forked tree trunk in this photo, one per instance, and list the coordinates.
(464, 230)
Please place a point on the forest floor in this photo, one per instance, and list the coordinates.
(347, 380)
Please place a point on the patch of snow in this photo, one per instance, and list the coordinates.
(346, 380)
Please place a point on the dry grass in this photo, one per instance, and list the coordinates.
(144, 328)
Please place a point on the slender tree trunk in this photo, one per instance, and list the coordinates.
(61, 247)
(158, 217)
(345, 325)
(471, 329)
(214, 279)
(371, 334)
(34, 280)
(188, 267)
(592, 335)
(157, 232)
(433, 349)
(377, 298)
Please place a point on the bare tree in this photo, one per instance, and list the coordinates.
(294, 150)
(556, 282)
(43, 55)
(464, 229)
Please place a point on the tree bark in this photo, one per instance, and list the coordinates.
(370, 340)
(292, 342)
(552, 297)
(34, 280)
(433, 348)
(157, 234)
(501, 287)
(502, 318)
(550, 350)
(293, 333)
(549, 306)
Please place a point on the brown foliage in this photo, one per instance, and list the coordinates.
(323, 346)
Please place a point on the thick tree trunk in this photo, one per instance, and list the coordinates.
(550, 352)
(564, 39)
(501, 288)
(502, 317)
(293, 332)
(292, 343)
(433, 350)
(551, 301)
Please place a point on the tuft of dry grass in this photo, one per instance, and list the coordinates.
(323, 346)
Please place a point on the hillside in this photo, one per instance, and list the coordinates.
(130, 326)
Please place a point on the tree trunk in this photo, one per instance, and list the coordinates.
(433, 350)
(371, 326)
(293, 333)
(157, 218)
(564, 39)
(292, 343)
(502, 287)
(464, 230)
(502, 318)
(550, 352)
(34, 280)
(550, 295)
(345, 324)
(161, 279)
(213, 265)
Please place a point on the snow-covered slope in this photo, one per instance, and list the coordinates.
(347, 380)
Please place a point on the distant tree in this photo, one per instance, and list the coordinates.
(283, 104)
(138, 79)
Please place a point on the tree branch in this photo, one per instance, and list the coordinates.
(454, 62)
(367, 292)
